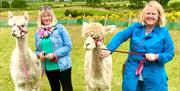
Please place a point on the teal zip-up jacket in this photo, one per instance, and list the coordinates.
(62, 46)
(159, 42)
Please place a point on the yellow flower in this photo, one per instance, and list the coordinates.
(177, 14)
(79, 17)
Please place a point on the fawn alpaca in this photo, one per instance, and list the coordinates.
(98, 72)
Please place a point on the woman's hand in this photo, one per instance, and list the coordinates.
(42, 56)
(51, 57)
(151, 56)
(105, 53)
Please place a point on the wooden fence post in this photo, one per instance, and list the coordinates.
(105, 22)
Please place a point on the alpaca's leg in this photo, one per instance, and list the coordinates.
(21, 86)
(16, 87)
(107, 89)
(37, 89)
(88, 88)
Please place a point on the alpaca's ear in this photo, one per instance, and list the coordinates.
(10, 15)
(26, 15)
(83, 28)
(109, 28)
(84, 24)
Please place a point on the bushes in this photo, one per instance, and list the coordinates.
(164, 2)
(125, 4)
(4, 4)
(136, 4)
(18, 4)
(175, 4)
(75, 13)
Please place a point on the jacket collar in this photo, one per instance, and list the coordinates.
(141, 31)
(156, 29)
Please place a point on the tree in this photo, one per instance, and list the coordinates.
(140, 4)
(162, 2)
(18, 4)
(93, 1)
(5, 4)
(136, 3)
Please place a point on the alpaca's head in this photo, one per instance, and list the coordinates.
(94, 32)
(18, 24)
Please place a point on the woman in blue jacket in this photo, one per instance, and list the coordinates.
(145, 71)
(53, 47)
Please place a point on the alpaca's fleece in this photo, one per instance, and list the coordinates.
(24, 66)
(98, 72)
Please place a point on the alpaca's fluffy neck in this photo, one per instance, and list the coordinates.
(97, 63)
(22, 47)
(22, 44)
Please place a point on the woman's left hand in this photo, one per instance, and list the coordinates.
(50, 56)
(151, 56)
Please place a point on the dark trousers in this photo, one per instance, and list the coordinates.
(58, 79)
(140, 86)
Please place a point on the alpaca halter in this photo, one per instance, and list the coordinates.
(98, 40)
(22, 32)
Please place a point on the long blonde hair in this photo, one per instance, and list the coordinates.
(46, 10)
(161, 16)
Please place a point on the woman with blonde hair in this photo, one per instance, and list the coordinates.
(151, 47)
(53, 47)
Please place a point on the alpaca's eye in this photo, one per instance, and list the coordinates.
(92, 35)
(95, 38)
(13, 24)
(22, 25)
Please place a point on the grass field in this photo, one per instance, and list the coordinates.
(7, 43)
(59, 12)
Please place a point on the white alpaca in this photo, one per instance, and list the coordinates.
(24, 67)
(98, 72)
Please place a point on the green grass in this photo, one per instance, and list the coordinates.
(7, 43)
(59, 12)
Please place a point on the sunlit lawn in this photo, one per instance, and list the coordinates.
(7, 43)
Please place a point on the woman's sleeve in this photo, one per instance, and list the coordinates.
(120, 37)
(37, 50)
(168, 49)
(67, 44)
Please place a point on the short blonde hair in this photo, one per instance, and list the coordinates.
(161, 16)
(46, 10)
